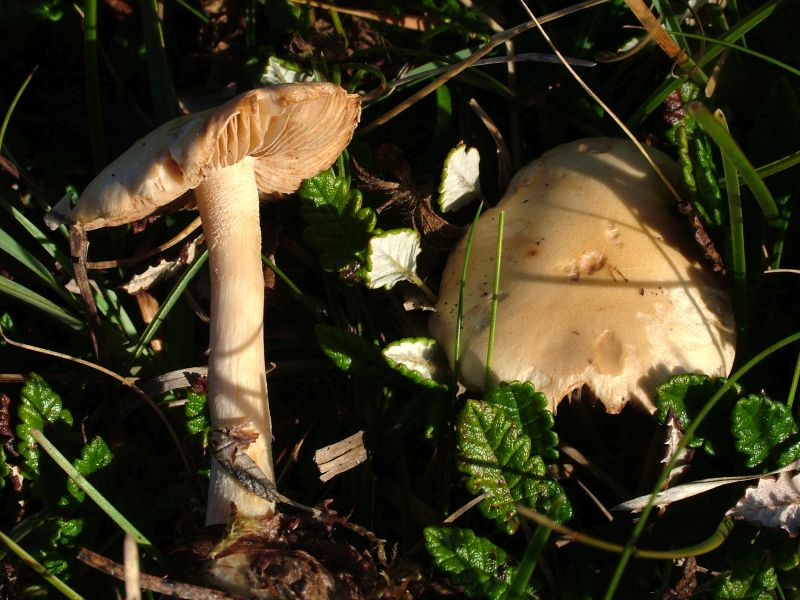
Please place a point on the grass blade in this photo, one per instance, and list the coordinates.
(460, 307)
(685, 441)
(40, 303)
(31, 562)
(37, 234)
(738, 261)
(169, 302)
(13, 105)
(498, 259)
(731, 149)
(95, 495)
(165, 102)
(92, 79)
(671, 83)
(10, 246)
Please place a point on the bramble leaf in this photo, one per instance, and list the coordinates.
(760, 424)
(685, 395)
(419, 359)
(338, 227)
(351, 353)
(496, 455)
(460, 182)
(473, 562)
(529, 410)
(392, 258)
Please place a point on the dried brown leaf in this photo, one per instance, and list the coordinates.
(774, 502)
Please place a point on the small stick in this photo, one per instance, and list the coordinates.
(176, 589)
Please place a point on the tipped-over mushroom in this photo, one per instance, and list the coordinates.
(601, 283)
(268, 139)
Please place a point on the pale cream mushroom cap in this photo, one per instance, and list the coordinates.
(293, 131)
(601, 282)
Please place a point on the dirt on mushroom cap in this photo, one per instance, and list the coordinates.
(601, 284)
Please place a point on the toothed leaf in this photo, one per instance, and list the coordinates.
(759, 424)
(338, 227)
(529, 410)
(473, 562)
(496, 455)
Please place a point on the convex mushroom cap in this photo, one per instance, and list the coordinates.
(292, 131)
(601, 283)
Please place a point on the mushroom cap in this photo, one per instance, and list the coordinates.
(293, 131)
(601, 283)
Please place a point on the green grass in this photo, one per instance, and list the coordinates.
(83, 85)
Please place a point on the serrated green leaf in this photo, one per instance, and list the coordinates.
(338, 227)
(473, 562)
(496, 455)
(529, 409)
(759, 424)
(351, 353)
(685, 395)
(750, 582)
(197, 417)
(419, 359)
(39, 406)
(94, 456)
(460, 183)
(5, 470)
(392, 258)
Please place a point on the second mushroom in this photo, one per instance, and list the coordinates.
(267, 140)
(601, 283)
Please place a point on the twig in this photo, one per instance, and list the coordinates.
(176, 589)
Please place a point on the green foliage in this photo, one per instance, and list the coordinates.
(338, 227)
(529, 410)
(351, 353)
(752, 578)
(39, 407)
(696, 160)
(197, 418)
(94, 456)
(496, 454)
(685, 395)
(759, 424)
(473, 562)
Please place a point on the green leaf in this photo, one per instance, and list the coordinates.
(685, 395)
(530, 412)
(197, 417)
(39, 407)
(496, 455)
(351, 353)
(759, 424)
(338, 227)
(751, 581)
(473, 562)
(419, 359)
(94, 456)
(392, 258)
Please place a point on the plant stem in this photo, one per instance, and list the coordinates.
(92, 79)
(498, 257)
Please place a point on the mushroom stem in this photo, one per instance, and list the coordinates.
(237, 386)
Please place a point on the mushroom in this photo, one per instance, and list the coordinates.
(267, 140)
(600, 283)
